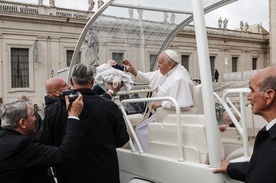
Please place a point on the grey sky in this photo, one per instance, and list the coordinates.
(252, 11)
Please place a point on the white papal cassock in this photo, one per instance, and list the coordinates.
(177, 84)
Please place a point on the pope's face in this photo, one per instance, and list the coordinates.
(164, 66)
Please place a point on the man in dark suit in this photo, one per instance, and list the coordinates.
(1, 101)
(262, 165)
(54, 112)
(105, 130)
(24, 160)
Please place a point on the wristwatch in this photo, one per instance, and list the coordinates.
(112, 92)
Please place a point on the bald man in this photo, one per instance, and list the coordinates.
(48, 128)
(54, 87)
(262, 164)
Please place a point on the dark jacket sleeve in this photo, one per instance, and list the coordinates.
(119, 67)
(238, 171)
(43, 155)
(98, 90)
(118, 124)
(106, 96)
(38, 121)
(53, 126)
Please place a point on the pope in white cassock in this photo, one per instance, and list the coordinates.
(172, 80)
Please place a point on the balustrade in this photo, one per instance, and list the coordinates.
(38, 9)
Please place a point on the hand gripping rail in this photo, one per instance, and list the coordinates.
(179, 132)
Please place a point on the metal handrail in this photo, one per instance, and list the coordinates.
(241, 129)
(134, 91)
(179, 130)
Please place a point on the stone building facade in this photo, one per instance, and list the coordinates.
(37, 41)
(40, 38)
(272, 27)
(231, 51)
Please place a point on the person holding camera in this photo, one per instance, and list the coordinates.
(53, 112)
(22, 158)
(105, 130)
(55, 115)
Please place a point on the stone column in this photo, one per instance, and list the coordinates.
(272, 31)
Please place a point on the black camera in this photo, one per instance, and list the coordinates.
(72, 95)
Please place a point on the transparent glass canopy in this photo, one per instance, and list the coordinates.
(137, 30)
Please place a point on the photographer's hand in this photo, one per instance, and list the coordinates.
(76, 106)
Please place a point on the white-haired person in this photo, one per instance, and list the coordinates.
(22, 158)
(171, 79)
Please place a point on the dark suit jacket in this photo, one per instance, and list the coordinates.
(54, 124)
(262, 165)
(105, 130)
(23, 160)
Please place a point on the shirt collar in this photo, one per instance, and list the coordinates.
(270, 124)
(171, 71)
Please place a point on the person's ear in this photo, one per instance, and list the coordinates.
(92, 82)
(269, 95)
(71, 81)
(22, 123)
(55, 93)
(170, 65)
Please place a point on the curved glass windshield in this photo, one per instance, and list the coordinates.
(139, 30)
(135, 30)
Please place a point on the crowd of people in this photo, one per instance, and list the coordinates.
(77, 139)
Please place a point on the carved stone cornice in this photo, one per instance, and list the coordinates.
(41, 19)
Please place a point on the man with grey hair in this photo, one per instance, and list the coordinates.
(171, 80)
(262, 164)
(22, 158)
(1, 101)
(105, 130)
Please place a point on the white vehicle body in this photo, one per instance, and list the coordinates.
(183, 147)
(178, 147)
